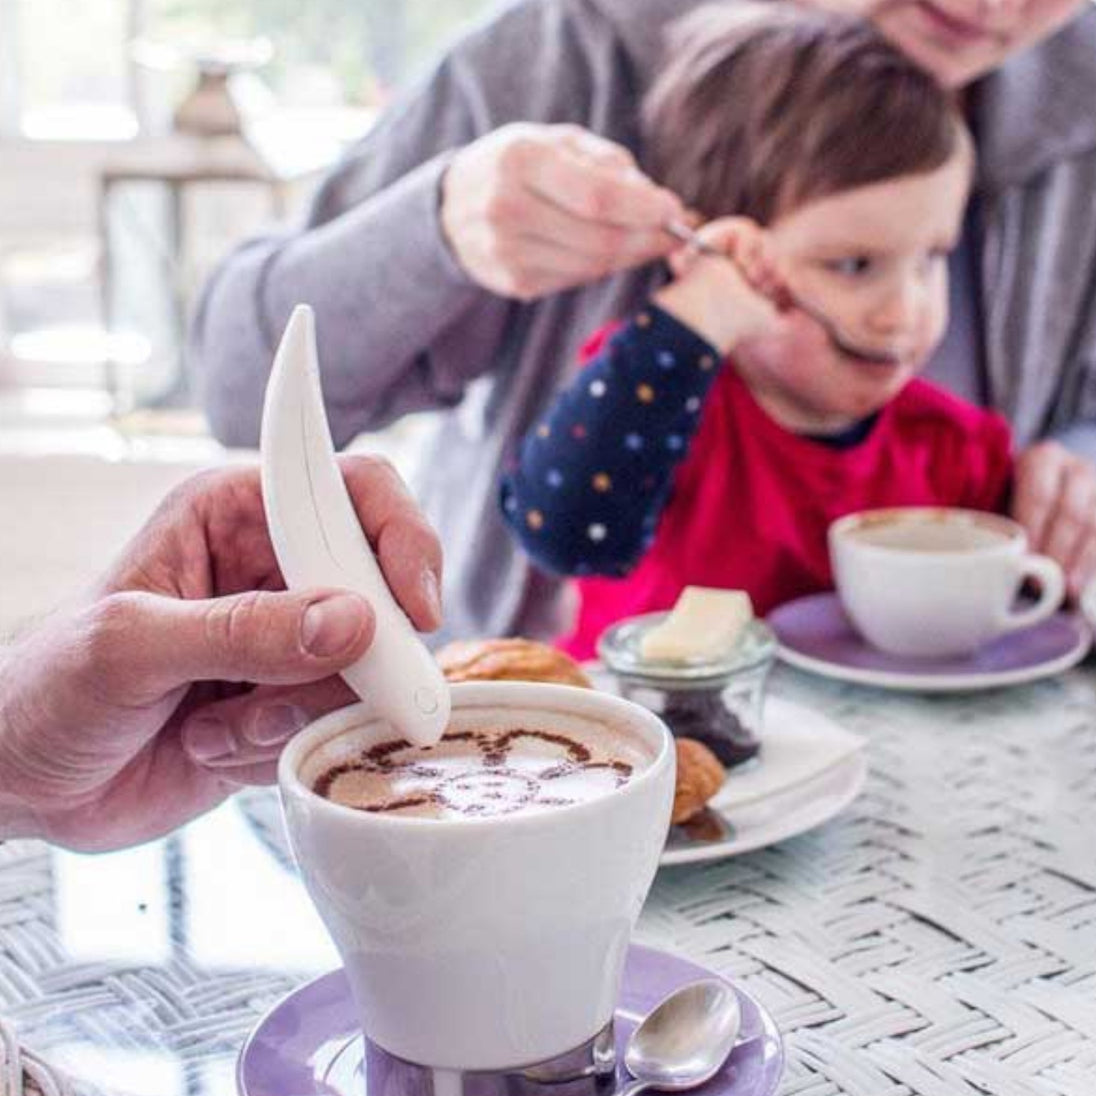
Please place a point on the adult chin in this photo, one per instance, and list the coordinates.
(954, 41)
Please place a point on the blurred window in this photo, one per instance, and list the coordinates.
(80, 79)
(67, 69)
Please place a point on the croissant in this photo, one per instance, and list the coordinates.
(509, 660)
(700, 775)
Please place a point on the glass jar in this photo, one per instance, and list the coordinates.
(718, 701)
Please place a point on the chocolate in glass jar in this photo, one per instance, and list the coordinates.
(704, 715)
(718, 701)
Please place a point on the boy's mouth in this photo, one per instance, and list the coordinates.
(848, 347)
(864, 356)
(882, 359)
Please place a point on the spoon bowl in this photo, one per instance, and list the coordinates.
(685, 1039)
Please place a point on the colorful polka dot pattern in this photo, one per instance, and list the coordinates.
(595, 473)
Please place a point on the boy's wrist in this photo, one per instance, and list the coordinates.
(680, 300)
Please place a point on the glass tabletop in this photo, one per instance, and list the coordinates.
(940, 931)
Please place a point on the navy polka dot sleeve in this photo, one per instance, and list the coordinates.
(593, 475)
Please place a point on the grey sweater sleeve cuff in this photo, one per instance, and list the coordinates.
(383, 283)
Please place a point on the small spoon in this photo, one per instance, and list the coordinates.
(685, 1039)
(687, 236)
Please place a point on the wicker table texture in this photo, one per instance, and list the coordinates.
(936, 939)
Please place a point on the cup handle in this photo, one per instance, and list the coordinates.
(1052, 588)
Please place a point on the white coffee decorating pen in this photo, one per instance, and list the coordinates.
(319, 541)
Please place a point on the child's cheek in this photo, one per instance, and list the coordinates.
(796, 347)
(806, 345)
(931, 336)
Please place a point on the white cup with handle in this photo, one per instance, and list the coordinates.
(938, 582)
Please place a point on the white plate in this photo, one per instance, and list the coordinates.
(786, 813)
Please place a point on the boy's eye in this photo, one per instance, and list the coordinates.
(854, 266)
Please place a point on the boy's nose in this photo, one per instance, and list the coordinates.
(900, 310)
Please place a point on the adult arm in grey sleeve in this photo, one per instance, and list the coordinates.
(402, 325)
(372, 262)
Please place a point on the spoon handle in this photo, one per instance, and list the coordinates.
(633, 1087)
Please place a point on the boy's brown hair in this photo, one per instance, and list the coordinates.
(764, 106)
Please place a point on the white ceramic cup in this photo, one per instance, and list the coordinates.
(935, 582)
(483, 943)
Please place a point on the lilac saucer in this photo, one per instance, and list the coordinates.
(814, 634)
(309, 1043)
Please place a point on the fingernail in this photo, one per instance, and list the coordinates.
(332, 625)
(276, 723)
(432, 591)
(208, 738)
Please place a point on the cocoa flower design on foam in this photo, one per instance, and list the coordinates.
(507, 771)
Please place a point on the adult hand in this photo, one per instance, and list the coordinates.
(187, 668)
(532, 209)
(1054, 498)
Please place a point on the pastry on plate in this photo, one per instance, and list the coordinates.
(509, 660)
(700, 774)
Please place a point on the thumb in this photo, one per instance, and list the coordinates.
(268, 638)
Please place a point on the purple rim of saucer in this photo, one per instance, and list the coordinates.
(294, 1047)
(816, 627)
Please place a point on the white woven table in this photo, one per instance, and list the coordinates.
(938, 939)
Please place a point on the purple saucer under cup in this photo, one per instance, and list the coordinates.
(309, 1044)
(817, 628)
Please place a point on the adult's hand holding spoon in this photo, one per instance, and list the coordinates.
(532, 209)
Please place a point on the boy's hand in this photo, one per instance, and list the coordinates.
(726, 300)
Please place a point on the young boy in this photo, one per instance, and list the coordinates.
(769, 389)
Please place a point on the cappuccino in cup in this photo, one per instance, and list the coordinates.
(482, 892)
(486, 770)
(937, 582)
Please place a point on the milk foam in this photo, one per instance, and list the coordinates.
(485, 767)
(932, 533)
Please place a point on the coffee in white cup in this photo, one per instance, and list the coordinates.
(494, 938)
(937, 582)
(482, 769)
